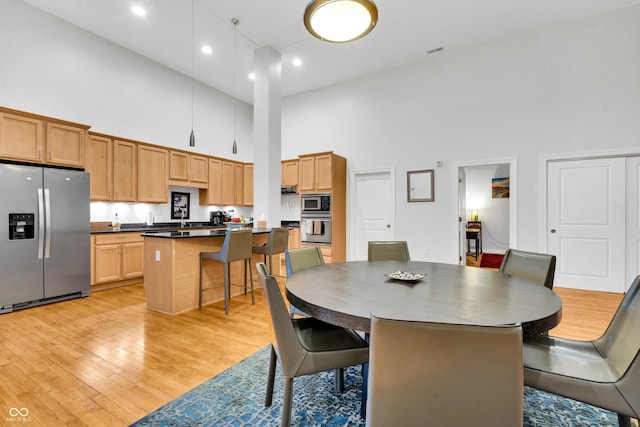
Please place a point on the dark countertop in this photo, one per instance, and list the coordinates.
(199, 233)
(168, 226)
(175, 227)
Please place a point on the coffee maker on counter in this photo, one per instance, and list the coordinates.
(217, 218)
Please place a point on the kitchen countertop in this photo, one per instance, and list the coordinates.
(175, 227)
(200, 233)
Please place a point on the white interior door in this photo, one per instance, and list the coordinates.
(632, 232)
(586, 220)
(372, 203)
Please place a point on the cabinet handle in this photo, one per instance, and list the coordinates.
(49, 155)
(38, 155)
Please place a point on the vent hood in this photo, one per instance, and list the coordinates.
(288, 189)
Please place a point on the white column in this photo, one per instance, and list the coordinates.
(267, 135)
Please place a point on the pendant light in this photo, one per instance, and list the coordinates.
(235, 22)
(192, 137)
(340, 21)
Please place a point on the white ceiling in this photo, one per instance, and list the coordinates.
(406, 31)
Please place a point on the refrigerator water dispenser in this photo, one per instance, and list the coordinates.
(21, 226)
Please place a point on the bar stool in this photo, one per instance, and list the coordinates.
(236, 247)
(278, 243)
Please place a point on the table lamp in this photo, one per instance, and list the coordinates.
(474, 214)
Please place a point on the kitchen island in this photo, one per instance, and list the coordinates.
(172, 268)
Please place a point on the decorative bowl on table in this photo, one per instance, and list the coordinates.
(404, 276)
(237, 224)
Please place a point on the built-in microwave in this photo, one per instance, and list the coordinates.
(314, 204)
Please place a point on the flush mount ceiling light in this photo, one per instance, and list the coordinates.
(340, 21)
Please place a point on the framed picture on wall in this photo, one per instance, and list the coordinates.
(500, 188)
(180, 205)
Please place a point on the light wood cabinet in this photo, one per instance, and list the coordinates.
(294, 238)
(238, 183)
(118, 259)
(188, 169)
(228, 186)
(21, 138)
(247, 199)
(200, 170)
(99, 164)
(316, 172)
(65, 145)
(213, 194)
(153, 167)
(289, 172)
(327, 173)
(38, 139)
(125, 171)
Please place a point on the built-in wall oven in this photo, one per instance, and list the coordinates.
(315, 218)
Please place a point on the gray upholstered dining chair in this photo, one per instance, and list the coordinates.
(304, 346)
(539, 268)
(302, 258)
(604, 372)
(423, 373)
(277, 243)
(236, 247)
(388, 251)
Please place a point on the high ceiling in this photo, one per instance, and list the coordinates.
(406, 31)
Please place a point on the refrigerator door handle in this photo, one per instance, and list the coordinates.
(40, 224)
(47, 212)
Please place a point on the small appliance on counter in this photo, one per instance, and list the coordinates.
(217, 218)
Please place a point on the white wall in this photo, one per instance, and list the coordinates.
(55, 69)
(568, 89)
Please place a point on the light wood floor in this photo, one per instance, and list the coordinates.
(105, 360)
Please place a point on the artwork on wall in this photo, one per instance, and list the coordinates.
(179, 205)
(499, 188)
(420, 186)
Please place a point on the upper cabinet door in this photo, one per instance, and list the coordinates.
(178, 166)
(323, 172)
(248, 185)
(65, 145)
(21, 138)
(153, 171)
(99, 163)
(307, 180)
(199, 170)
(289, 172)
(125, 176)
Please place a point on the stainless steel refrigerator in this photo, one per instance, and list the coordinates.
(44, 237)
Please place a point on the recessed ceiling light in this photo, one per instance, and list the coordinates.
(138, 10)
(297, 62)
(252, 76)
(207, 50)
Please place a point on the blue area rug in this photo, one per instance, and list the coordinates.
(235, 397)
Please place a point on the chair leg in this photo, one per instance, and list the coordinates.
(270, 263)
(253, 301)
(287, 402)
(271, 378)
(339, 380)
(227, 278)
(245, 277)
(624, 421)
(200, 285)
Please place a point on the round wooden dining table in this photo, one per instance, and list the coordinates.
(346, 294)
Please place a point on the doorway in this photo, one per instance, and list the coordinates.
(477, 183)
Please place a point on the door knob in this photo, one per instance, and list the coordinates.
(388, 225)
(553, 230)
